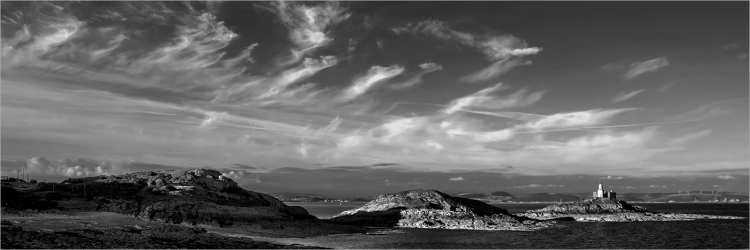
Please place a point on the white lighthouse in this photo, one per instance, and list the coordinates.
(600, 193)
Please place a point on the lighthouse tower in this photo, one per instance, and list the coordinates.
(600, 193)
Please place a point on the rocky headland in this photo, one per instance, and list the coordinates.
(434, 209)
(190, 197)
(609, 210)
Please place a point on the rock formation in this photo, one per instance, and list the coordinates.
(193, 197)
(434, 209)
(609, 210)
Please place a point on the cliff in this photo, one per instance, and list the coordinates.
(434, 209)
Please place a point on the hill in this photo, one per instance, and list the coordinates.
(497, 196)
(299, 197)
(363, 198)
(199, 197)
(433, 209)
(545, 197)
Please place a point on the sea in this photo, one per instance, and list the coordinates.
(701, 234)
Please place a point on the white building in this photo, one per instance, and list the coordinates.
(600, 193)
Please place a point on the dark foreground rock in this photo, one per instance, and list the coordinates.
(434, 209)
(133, 237)
(606, 210)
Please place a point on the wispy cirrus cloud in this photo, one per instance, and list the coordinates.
(576, 119)
(711, 110)
(374, 76)
(639, 68)
(176, 85)
(417, 78)
(505, 50)
(308, 24)
(495, 69)
(494, 47)
(482, 99)
(622, 96)
(308, 68)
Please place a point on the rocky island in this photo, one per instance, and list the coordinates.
(434, 209)
(604, 206)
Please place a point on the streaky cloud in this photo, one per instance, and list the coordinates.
(374, 76)
(482, 99)
(576, 119)
(622, 96)
(494, 47)
(308, 24)
(639, 68)
(494, 70)
(417, 79)
(308, 68)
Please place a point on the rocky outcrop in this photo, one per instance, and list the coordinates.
(592, 206)
(434, 209)
(606, 210)
(194, 197)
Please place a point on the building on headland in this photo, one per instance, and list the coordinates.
(601, 193)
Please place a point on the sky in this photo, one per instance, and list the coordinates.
(361, 98)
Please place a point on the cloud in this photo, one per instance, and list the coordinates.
(494, 47)
(639, 68)
(495, 69)
(380, 43)
(457, 179)
(622, 96)
(308, 25)
(528, 186)
(376, 75)
(308, 68)
(609, 177)
(711, 111)
(417, 78)
(690, 137)
(41, 168)
(482, 99)
(245, 166)
(727, 177)
(212, 117)
(730, 46)
(576, 119)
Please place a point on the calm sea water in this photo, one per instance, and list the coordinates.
(674, 234)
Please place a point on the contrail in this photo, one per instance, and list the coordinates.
(505, 114)
(611, 126)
